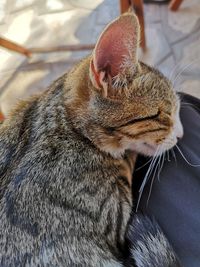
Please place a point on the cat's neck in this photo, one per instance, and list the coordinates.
(78, 96)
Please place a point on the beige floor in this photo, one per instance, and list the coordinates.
(173, 41)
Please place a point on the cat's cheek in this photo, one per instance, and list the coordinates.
(140, 147)
(176, 133)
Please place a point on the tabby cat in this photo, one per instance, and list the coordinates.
(67, 157)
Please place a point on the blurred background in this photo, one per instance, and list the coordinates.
(172, 41)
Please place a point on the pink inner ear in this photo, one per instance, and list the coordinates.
(117, 43)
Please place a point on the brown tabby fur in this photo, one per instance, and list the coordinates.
(65, 180)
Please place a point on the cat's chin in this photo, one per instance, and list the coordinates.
(144, 149)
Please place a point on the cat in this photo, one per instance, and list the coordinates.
(67, 157)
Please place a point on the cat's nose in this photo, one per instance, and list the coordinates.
(179, 131)
(178, 128)
(179, 138)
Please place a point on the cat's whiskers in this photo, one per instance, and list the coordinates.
(173, 71)
(183, 156)
(149, 171)
(156, 167)
(174, 155)
(168, 157)
(159, 163)
(144, 182)
(183, 69)
(139, 168)
(167, 143)
(185, 104)
(162, 163)
(153, 178)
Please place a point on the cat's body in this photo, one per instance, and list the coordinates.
(59, 202)
(65, 174)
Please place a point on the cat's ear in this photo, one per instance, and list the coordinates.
(115, 54)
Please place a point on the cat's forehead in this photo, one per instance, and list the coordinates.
(150, 81)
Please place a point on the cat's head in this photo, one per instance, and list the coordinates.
(132, 106)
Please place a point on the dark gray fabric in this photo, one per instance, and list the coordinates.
(175, 199)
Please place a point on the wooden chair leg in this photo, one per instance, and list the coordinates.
(138, 6)
(124, 6)
(175, 4)
(139, 10)
(1, 117)
(14, 47)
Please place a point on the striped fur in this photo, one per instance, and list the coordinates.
(67, 157)
(63, 202)
(148, 245)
